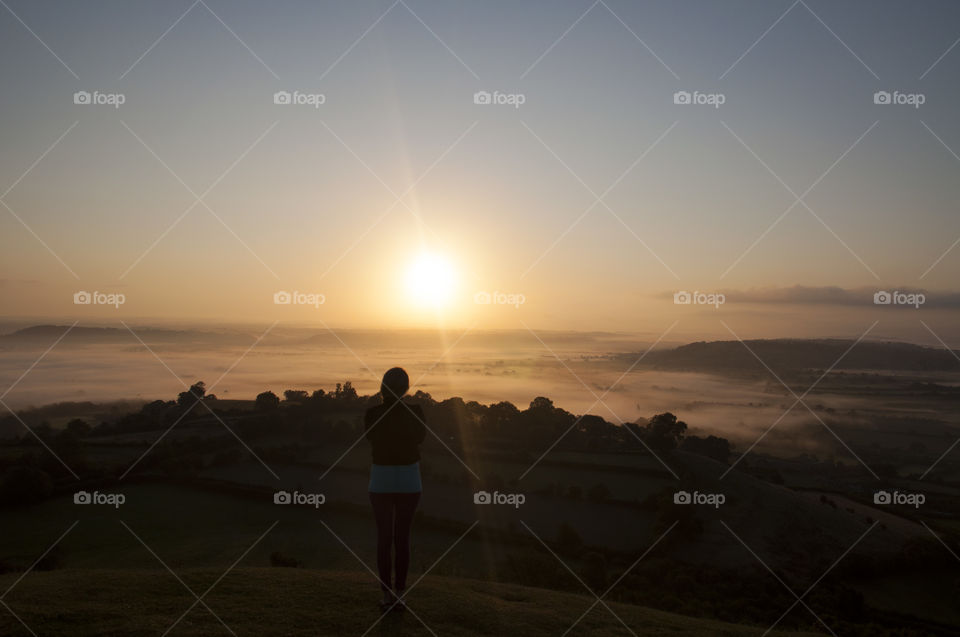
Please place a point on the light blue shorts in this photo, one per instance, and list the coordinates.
(395, 478)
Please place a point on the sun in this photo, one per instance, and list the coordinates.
(430, 281)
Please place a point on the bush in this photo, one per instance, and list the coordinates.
(278, 559)
(594, 571)
(569, 541)
(25, 485)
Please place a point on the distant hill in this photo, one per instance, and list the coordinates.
(80, 335)
(799, 354)
(293, 601)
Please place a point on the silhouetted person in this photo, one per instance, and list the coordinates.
(395, 430)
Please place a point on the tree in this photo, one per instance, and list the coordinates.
(595, 429)
(280, 560)
(711, 447)
(78, 428)
(266, 401)
(346, 391)
(295, 396)
(541, 403)
(193, 395)
(25, 485)
(154, 409)
(664, 432)
(569, 541)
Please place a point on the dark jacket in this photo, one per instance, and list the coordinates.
(395, 432)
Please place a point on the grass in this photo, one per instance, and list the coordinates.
(195, 528)
(280, 601)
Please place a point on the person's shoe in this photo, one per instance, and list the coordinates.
(387, 602)
(399, 605)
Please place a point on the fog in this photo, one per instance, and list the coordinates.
(582, 373)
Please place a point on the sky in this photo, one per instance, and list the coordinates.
(583, 197)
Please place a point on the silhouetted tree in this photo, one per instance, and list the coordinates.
(541, 403)
(664, 432)
(295, 396)
(345, 391)
(569, 541)
(711, 447)
(78, 428)
(267, 401)
(25, 485)
(279, 559)
(191, 396)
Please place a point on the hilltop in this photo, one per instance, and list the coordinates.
(290, 601)
(800, 354)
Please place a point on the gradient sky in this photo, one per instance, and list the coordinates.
(308, 208)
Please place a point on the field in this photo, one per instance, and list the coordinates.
(264, 601)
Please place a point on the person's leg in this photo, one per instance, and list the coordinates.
(406, 507)
(383, 514)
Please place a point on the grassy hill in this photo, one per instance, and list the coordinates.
(784, 355)
(275, 601)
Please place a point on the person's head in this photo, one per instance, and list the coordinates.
(394, 385)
